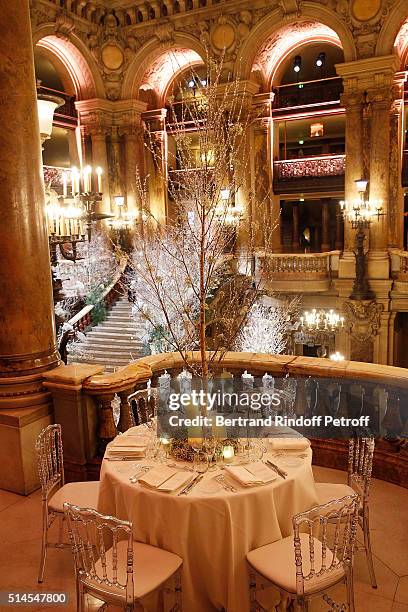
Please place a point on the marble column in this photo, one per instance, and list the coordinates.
(27, 332)
(380, 104)
(100, 159)
(339, 230)
(295, 228)
(134, 165)
(396, 194)
(353, 103)
(325, 245)
(156, 164)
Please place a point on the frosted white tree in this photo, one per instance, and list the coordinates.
(95, 267)
(177, 267)
(267, 327)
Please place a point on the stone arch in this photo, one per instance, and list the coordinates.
(75, 62)
(154, 67)
(391, 28)
(327, 26)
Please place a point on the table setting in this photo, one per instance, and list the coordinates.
(232, 496)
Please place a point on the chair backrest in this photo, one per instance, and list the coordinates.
(144, 405)
(334, 524)
(361, 453)
(91, 535)
(50, 459)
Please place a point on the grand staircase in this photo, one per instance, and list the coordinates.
(114, 342)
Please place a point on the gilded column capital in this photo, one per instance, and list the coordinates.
(352, 99)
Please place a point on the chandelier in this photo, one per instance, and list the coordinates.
(321, 321)
(70, 216)
(361, 212)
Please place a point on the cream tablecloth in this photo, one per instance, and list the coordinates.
(211, 529)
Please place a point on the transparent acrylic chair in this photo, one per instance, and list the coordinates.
(54, 491)
(317, 557)
(113, 568)
(360, 462)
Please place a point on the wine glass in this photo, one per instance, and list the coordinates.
(210, 448)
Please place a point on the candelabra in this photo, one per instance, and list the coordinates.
(360, 214)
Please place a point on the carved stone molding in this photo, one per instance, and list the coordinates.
(363, 319)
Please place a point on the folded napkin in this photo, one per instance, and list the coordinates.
(180, 479)
(300, 443)
(261, 472)
(128, 441)
(243, 476)
(157, 476)
(126, 451)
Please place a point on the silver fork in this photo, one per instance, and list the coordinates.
(221, 480)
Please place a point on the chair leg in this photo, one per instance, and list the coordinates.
(178, 590)
(44, 542)
(367, 546)
(350, 590)
(61, 530)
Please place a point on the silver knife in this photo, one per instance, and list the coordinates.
(276, 468)
(121, 459)
(191, 484)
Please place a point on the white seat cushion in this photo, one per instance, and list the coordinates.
(82, 494)
(276, 562)
(327, 491)
(152, 567)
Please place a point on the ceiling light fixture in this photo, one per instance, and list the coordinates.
(297, 63)
(321, 59)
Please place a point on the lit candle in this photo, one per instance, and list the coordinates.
(99, 178)
(87, 179)
(228, 452)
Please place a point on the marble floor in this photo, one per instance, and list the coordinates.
(20, 532)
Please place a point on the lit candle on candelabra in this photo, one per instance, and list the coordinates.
(87, 179)
(99, 179)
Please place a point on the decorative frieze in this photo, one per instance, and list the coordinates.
(332, 165)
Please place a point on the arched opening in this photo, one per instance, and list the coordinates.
(53, 79)
(297, 65)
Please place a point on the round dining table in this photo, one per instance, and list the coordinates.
(212, 529)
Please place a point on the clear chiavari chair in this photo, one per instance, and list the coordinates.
(115, 569)
(54, 491)
(360, 462)
(143, 405)
(317, 557)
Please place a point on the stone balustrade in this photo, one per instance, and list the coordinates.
(289, 268)
(83, 395)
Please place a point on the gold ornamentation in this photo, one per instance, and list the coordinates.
(364, 10)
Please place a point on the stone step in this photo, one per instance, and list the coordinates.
(113, 333)
(119, 318)
(119, 342)
(111, 355)
(128, 323)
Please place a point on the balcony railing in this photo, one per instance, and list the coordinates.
(65, 114)
(325, 165)
(305, 94)
(303, 265)
(89, 394)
